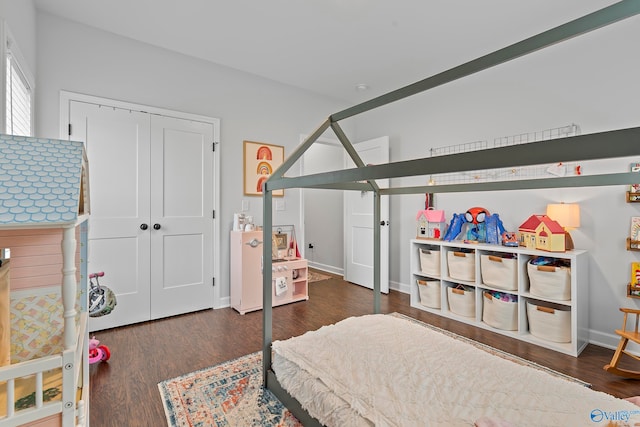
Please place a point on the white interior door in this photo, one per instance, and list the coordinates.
(117, 143)
(181, 216)
(358, 243)
(148, 170)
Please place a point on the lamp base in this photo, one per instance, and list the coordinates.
(568, 241)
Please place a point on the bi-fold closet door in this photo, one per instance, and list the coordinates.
(151, 223)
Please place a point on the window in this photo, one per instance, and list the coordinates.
(17, 93)
(18, 96)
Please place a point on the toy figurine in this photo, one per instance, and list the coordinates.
(477, 231)
(475, 225)
(509, 238)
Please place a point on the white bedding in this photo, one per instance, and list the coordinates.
(388, 371)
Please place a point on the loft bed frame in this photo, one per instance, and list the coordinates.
(602, 145)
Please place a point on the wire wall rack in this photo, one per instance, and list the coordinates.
(508, 174)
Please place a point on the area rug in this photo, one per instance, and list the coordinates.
(228, 394)
(314, 276)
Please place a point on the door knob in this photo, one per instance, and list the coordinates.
(156, 226)
(143, 226)
(384, 222)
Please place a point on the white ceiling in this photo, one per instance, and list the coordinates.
(328, 46)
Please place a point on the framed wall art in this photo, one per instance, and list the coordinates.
(260, 160)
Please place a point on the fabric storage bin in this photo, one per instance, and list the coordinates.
(429, 293)
(462, 265)
(430, 261)
(462, 301)
(548, 281)
(498, 313)
(499, 272)
(551, 324)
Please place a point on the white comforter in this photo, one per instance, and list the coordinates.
(388, 371)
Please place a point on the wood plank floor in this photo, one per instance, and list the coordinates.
(124, 390)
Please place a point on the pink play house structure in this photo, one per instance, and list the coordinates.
(543, 233)
(44, 207)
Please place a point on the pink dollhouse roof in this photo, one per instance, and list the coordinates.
(532, 223)
(431, 215)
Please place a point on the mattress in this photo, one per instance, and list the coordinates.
(385, 370)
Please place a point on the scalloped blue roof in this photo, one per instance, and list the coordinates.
(39, 180)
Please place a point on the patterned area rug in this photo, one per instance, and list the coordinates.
(229, 394)
(315, 276)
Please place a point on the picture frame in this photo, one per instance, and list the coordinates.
(260, 160)
(281, 240)
(283, 243)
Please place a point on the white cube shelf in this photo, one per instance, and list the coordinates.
(575, 307)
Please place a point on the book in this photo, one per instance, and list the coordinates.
(635, 188)
(635, 273)
(635, 228)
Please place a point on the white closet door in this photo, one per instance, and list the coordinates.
(117, 143)
(151, 223)
(181, 216)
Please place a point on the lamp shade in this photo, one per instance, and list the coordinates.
(565, 214)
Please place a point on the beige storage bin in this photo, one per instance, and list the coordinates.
(462, 265)
(549, 282)
(430, 261)
(499, 272)
(499, 314)
(551, 324)
(462, 302)
(429, 293)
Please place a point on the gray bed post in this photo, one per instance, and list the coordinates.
(376, 251)
(267, 309)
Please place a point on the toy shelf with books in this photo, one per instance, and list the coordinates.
(527, 294)
(633, 195)
(633, 241)
(633, 288)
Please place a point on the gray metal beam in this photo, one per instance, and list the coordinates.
(300, 150)
(353, 154)
(585, 24)
(603, 145)
(376, 252)
(267, 288)
(625, 178)
(355, 186)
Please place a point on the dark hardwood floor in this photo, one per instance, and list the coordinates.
(124, 390)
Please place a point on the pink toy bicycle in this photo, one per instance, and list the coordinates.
(102, 301)
(97, 352)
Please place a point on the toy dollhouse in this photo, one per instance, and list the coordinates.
(44, 207)
(541, 232)
(430, 224)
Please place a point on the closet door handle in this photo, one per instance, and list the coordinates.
(156, 226)
(143, 226)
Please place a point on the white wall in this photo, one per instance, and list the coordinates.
(324, 208)
(20, 17)
(77, 58)
(591, 81)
